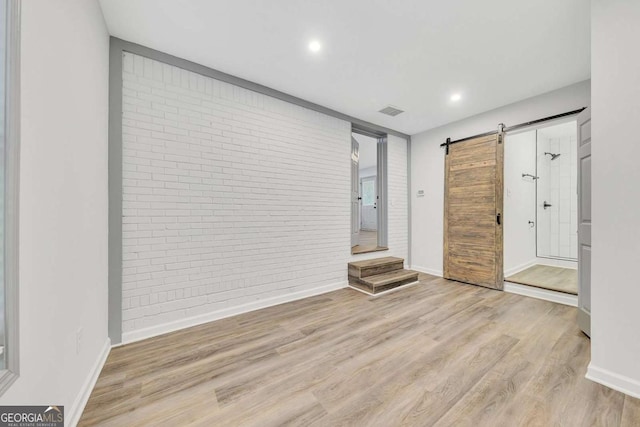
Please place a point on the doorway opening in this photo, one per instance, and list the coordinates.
(541, 204)
(368, 192)
(529, 178)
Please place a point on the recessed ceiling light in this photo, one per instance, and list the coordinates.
(315, 46)
(456, 97)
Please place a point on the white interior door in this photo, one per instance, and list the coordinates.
(355, 192)
(584, 221)
(369, 216)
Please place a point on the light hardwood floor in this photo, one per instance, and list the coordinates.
(548, 277)
(368, 238)
(367, 242)
(438, 353)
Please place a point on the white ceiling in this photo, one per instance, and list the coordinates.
(412, 54)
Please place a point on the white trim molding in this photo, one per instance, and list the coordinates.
(141, 334)
(519, 268)
(384, 292)
(545, 294)
(426, 270)
(618, 382)
(77, 408)
(11, 199)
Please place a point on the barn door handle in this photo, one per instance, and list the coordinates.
(498, 218)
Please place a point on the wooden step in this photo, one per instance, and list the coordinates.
(385, 281)
(372, 267)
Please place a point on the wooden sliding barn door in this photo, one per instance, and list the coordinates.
(473, 240)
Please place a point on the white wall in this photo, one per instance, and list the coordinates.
(615, 290)
(427, 163)
(63, 200)
(368, 147)
(398, 213)
(558, 224)
(519, 201)
(370, 171)
(232, 200)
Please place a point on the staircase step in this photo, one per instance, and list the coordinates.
(372, 267)
(384, 281)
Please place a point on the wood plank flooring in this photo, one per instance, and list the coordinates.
(547, 277)
(367, 242)
(439, 353)
(368, 238)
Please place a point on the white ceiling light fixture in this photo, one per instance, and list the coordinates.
(456, 97)
(315, 46)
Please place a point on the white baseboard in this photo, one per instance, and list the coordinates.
(519, 268)
(152, 331)
(426, 270)
(75, 412)
(541, 261)
(615, 381)
(384, 292)
(545, 294)
(564, 263)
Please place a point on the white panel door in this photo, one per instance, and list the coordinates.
(584, 221)
(369, 199)
(355, 192)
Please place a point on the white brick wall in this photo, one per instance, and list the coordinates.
(230, 196)
(397, 196)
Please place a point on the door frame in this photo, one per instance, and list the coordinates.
(564, 118)
(354, 192)
(381, 188)
(381, 183)
(536, 127)
(584, 229)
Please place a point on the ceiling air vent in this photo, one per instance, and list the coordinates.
(391, 111)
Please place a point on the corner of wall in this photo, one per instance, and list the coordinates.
(75, 412)
(613, 380)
